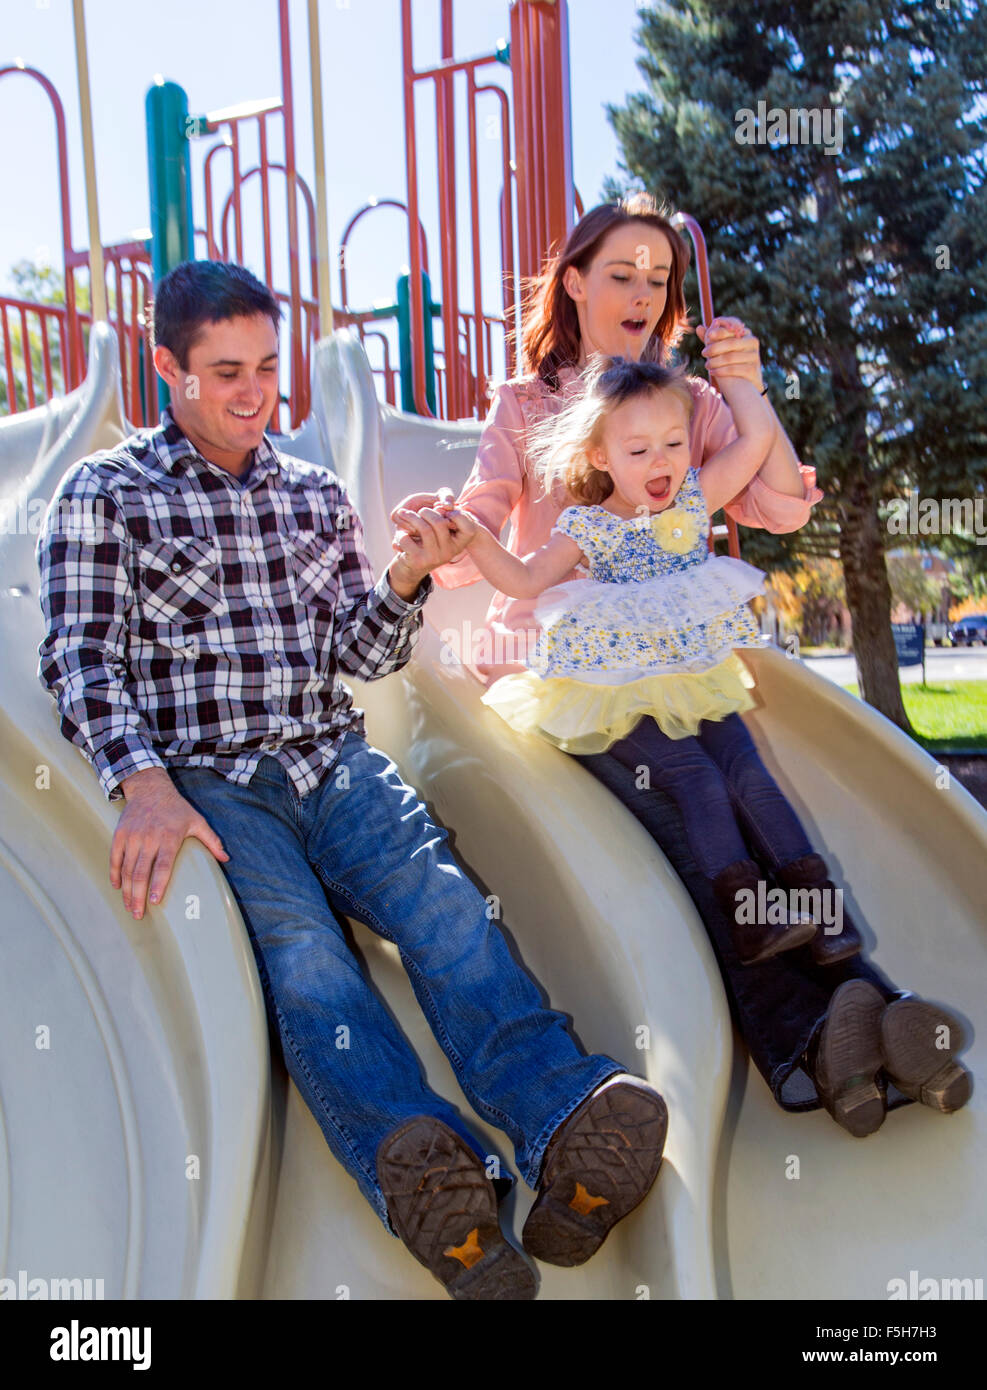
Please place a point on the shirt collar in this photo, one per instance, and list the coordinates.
(172, 448)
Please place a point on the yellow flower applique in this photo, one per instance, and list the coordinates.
(675, 530)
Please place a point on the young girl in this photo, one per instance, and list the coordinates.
(640, 654)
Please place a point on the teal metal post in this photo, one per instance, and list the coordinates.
(169, 178)
(404, 343)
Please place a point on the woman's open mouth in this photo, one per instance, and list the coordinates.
(634, 325)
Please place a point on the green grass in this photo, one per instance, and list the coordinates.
(946, 717)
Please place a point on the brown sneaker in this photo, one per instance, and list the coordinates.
(848, 1059)
(600, 1165)
(918, 1041)
(444, 1207)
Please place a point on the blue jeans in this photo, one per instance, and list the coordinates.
(780, 1005)
(710, 778)
(363, 845)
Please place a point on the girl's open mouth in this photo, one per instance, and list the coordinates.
(658, 488)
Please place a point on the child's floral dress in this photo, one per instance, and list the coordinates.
(650, 632)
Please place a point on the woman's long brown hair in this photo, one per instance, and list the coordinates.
(549, 321)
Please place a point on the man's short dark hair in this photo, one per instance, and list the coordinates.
(200, 292)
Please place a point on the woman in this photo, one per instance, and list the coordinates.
(819, 1033)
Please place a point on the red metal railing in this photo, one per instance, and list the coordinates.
(21, 352)
(346, 315)
(464, 379)
(302, 305)
(36, 365)
(35, 375)
(537, 176)
(127, 275)
(540, 64)
(72, 358)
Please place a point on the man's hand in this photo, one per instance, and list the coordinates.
(731, 350)
(432, 538)
(152, 828)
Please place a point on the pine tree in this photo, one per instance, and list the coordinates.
(857, 259)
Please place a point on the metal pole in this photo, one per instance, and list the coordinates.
(169, 178)
(417, 307)
(319, 150)
(97, 286)
(445, 130)
(684, 220)
(299, 386)
(542, 122)
(166, 112)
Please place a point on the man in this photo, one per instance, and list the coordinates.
(199, 614)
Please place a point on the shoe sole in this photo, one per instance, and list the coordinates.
(850, 1058)
(918, 1067)
(604, 1166)
(444, 1208)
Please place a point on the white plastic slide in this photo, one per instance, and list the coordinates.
(134, 1076)
(752, 1201)
(146, 1139)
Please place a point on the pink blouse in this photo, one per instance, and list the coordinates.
(501, 487)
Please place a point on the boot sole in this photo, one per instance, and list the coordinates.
(444, 1208)
(920, 1069)
(604, 1166)
(850, 1058)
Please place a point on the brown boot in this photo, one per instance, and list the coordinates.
(846, 1060)
(827, 946)
(919, 1042)
(444, 1207)
(599, 1166)
(755, 940)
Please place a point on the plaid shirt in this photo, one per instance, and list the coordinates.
(197, 619)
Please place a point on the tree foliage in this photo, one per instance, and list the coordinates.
(861, 268)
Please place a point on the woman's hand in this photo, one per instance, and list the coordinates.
(731, 350)
(445, 497)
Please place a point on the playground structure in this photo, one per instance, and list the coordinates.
(159, 1052)
(535, 207)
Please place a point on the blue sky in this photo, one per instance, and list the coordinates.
(226, 51)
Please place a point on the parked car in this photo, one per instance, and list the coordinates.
(966, 631)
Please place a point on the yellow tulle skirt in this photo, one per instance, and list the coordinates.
(580, 717)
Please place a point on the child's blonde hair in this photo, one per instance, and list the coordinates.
(560, 446)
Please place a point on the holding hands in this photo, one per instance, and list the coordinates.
(731, 350)
(430, 533)
(430, 523)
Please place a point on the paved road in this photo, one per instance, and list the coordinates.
(942, 664)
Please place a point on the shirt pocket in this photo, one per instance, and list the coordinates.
(314, 560)
(180, 580)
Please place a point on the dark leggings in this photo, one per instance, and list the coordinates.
(779, 1005)
(708, 777)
